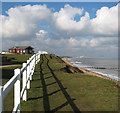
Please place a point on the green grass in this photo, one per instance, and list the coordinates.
(17, 58)
(48, 91)
(8, 72)
(89, 93)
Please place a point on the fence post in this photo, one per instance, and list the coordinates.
(1, 99)
(39, 56)
(28, 75)
(25, 82)
(36, 58)
(34, 61)
(32, 66)
(30, 69)
(17, 89)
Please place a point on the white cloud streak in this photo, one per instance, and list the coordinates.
(23, 24)
(22, 21)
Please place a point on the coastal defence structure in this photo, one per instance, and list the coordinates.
(25, 73)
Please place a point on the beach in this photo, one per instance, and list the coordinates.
(56, 81)
(90, 72)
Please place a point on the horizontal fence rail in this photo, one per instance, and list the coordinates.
(25, 73)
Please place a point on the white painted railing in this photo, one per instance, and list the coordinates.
(25, 73)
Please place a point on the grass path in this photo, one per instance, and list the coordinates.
(67, 96)
(14, 65)
(55, 90)
(50, 90)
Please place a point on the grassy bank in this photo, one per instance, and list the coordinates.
(54, 89)
(16, 58)
(8, 72)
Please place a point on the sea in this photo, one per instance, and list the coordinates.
(104, 66)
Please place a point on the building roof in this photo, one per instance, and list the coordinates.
(21, 47)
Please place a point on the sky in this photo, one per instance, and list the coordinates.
(62, 28)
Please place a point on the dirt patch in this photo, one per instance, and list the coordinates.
(71, 69)
(117, 83)
(14, 65)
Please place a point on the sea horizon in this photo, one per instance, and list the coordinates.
(104, 66)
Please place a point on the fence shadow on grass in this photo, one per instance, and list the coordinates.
(46, 103)
(45, 85)
(6, 74)
(67, 96)
(45, 97)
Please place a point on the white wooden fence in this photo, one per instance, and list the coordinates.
(25, 73)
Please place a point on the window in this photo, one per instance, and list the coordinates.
(26, 51)
(30, 51)
(17, 51)
(10, 51)
(21, 51)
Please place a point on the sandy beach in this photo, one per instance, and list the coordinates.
(87, 71)
(63, 85)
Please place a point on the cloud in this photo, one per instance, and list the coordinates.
(64, 19)
(21, 22)
(63, 34)
(41, 33)
(107, 41)
(106, 22)
(73, 47)
(95, 42)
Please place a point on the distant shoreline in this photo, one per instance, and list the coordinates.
(90, 72)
